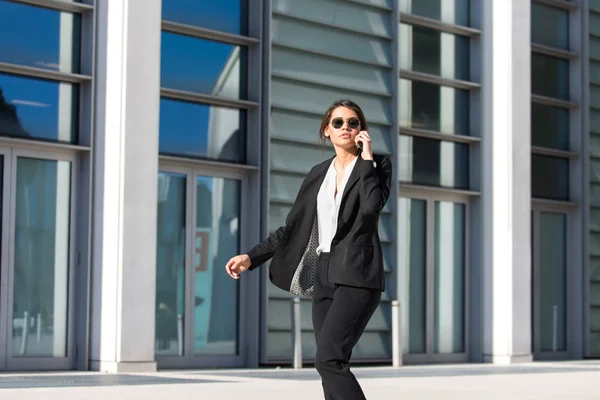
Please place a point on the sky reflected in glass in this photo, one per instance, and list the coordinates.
(224, 15)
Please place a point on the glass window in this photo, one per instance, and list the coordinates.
(449, 332)
(549, 127)
(549, 26)
(595, 72)
(433, 162)
(41, 259)
(595, 96)
(450, 11)
(412, 250)
(53, 44)
(200, 130)
(595, 48)
(434, 52)
(549, 177)
(202, 66)
(437, 108)
(594, 24)
(217, 238)
(40, 109)
(549, 76)
(552, 282)
(224, 15)
(170, 264)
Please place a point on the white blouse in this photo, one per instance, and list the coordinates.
(328, 205)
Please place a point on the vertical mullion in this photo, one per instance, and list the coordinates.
(535, 283)
(430, 277)
(190, 218)
(4, 267)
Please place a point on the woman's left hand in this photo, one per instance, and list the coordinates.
(367, 149)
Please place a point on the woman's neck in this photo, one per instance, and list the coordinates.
(345, 157)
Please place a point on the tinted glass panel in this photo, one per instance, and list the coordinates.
(549, 127)
(223, 15)
(170, 265)
(437, 108)
(449, 332)
(450, 11)
(549, 76)
(41, 259)
(594, 24)
(549, 26)
(549, 177)
(40, 109)
(199, 130)
(595, 48)
(552, 282)
(217, 237)
(434, 52)
(53, 44)
(412, 250)
(433, 162)
(202, 66)
(595, 72)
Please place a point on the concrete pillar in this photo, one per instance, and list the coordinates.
(125, 185)
(506, 181)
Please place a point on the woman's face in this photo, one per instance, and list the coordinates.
(343, 127)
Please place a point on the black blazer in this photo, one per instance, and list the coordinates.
(356, 255)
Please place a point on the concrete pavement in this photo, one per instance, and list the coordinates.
(557, 380)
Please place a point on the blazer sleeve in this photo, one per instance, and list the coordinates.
(263, 251)
(374, 186)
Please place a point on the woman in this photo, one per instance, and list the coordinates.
(329, 248)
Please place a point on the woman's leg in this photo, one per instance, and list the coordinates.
(344, 322)
(322, 295)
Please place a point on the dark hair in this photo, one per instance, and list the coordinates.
(341, 103)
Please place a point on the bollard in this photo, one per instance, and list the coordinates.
(396, 337)
(296, 334)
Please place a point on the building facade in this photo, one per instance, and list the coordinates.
(145, 142)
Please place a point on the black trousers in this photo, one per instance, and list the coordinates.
(340, 315)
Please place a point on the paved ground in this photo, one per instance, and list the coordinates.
(548, 381)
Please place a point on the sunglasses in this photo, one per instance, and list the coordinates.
(353, 123)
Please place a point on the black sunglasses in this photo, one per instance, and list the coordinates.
(353, 123)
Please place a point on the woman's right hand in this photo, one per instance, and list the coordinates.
(238, 264)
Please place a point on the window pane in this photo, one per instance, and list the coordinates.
(549, 26)
(412, 262)
(41, 259)
(549, 177)
(170, 264)
(595, 48)
(40, 109)
(437, 108)
(549, 127)
(552, 282)
(217, 240)
(449, 332)
(433, 162)
(595, 72)
(223, 15)
(594, 24)
(53, 44)
(433, 52)
(202, 66)
(450, 11)
(549, 76)
(199, 130)
(595, 96)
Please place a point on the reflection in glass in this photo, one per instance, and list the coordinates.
(549, 177)
(170, 264)
(217, 237)
(224, 15)
(198, 130)
(54, 43)
(412, 263)
(198, 65)
(41, 259)
(549, 127)
(552, 282)
(40, 109)
(449, 331)
(432, 162)
(549, 26)
(454, 12)
(549, 76)
(437, 108)
(433, 52)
